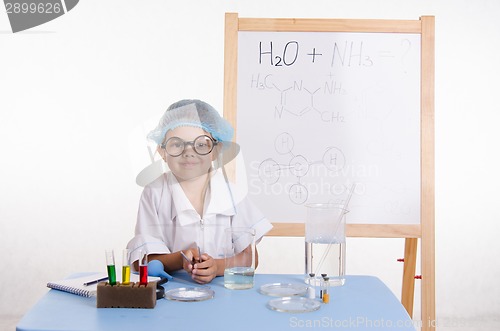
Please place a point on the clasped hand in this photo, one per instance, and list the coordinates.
(203, 269)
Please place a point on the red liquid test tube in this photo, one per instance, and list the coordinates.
(143, 268)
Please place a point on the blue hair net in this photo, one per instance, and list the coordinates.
(195, 113)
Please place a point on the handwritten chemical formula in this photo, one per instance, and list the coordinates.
(327, 95)
(347, 53)
(296, 99)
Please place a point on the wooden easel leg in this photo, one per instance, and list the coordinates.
(410, 263)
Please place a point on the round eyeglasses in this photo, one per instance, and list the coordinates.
(202, 145)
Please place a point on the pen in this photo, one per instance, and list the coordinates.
(95, 281)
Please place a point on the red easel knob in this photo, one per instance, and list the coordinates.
(418, 277)
(400, 260)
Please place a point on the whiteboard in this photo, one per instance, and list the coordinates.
(319, 111)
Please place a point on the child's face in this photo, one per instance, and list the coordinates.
(189, 164)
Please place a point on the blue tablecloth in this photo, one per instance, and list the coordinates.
(363, 303)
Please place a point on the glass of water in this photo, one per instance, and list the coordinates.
(325, 244)
(239, 251)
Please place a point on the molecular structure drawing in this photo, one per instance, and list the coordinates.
(297, 99)
(270, 171)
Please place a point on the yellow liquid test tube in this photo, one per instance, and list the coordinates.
(325, 295)
(126, 267)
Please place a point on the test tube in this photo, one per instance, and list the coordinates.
(110, 262)
(125, 267)
(143, 268)
(321, 288)
(324, 289)
(311, 293)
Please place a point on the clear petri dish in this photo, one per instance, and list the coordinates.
(283, 289)
(189, 294)
(293, 305)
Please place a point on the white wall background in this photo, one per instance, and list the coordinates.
(75, 91)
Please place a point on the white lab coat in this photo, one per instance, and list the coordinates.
(167, 221)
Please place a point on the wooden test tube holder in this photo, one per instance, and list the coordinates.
(130, 295)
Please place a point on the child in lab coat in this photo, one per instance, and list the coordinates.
(191, 205)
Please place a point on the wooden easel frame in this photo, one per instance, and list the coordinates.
(423, 231)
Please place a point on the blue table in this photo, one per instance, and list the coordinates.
(363, 303)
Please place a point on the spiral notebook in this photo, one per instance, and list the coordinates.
(76, 285)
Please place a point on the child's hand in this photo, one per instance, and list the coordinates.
(203, 272)
(188, 260)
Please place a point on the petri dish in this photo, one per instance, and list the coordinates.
(283, 289)
(189, 294)
(293, 305)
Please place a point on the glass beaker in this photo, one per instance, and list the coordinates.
(239, 258)
(325, 244)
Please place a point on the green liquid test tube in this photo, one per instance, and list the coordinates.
(110, 262)
(111, 275)
(125, 267)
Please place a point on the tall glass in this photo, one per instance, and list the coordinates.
(325, 244)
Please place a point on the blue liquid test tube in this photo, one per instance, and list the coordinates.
(110, 263)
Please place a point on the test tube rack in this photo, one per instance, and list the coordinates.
(131, 295)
